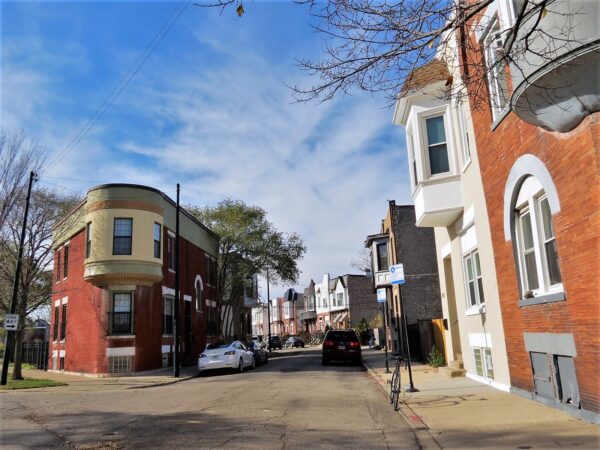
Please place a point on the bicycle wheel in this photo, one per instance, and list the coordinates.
(397, 389)
(392, 383)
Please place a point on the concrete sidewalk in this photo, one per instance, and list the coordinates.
(140, 380)
(462, 413)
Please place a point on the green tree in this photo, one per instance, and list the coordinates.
(35, 283)
(249, 244)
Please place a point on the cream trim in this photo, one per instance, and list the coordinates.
(168, 291)
(120, 351)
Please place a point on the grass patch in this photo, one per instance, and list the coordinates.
(30, 383)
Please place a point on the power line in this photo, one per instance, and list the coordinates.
(123, 83)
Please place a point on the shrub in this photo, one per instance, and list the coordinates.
(435, 358)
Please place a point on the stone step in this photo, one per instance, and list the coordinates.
(451, 372)
(456, 365)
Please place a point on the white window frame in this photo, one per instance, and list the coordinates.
(432, 114)
(487, 364)
(529, 201)
(490, 36)
(477, 279)
(464, 134)
(417, 128)
(412, 159)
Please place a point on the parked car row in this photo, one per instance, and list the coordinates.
(235, 356)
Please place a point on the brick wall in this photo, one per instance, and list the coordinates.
(572, 160)
(363, 302)
(87, 310)
(415, 248)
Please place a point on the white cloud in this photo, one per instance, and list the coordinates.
(325, 171)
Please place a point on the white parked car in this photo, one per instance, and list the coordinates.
(226, 356)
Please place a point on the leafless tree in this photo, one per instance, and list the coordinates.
(18, 157)
(35, 283)
(375, 46)
(362, 260)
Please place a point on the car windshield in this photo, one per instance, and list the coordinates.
(216, 346)
(342, 336)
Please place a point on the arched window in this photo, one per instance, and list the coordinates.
(536, 252)
(198, 293)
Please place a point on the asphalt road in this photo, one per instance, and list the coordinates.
(292, 402)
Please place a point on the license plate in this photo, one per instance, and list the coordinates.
(341, 347)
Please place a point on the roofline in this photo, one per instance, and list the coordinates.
(162, 194)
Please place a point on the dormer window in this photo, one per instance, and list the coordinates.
(436, 145)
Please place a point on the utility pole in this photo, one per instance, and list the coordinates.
(269, 310)
(176, 301)
(385, 321)
(10, 335)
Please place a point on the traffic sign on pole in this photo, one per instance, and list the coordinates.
(11, 322)
(381, 295)
(397, 274)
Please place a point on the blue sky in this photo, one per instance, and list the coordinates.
(209, 109)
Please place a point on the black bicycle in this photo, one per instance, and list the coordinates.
(395, 385)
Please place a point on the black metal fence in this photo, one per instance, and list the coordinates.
(36, 354)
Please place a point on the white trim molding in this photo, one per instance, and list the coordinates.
(527, 165)
(168, 291)
(65, 300)
(120, 351)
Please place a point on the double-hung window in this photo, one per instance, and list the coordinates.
(496, 67)
(56, 323)
(88, 239)
(437, 149)
(58, 265)
(198, 289)
(156, 234)
(472, 269)
(382, 257)
(63, 323)
(122, 236)
(340, 298)
(464, 135)
(121, 320)
(412, 157)
(66, 262)
(536, 242)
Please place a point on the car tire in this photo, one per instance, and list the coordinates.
(324, 361)
(253, 363)
(241, 366)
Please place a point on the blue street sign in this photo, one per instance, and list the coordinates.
(381, 295)
(397, 274)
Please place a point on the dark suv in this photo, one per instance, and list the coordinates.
(341, 345)
(275, 342)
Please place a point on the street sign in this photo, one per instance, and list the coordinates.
(397, 274)
(381, 295)
(11, 322)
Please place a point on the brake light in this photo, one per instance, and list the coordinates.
(354, 344)
(328, 344)
(231, 352)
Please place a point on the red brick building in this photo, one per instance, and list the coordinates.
(538, 153)
(114, 280)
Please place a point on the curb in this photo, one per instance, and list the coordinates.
(416, 424)
(165, 383)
